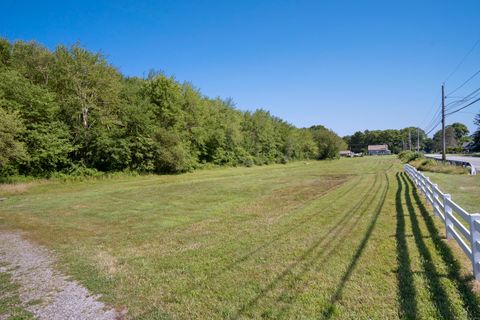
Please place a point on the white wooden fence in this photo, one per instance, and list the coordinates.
(460, 225)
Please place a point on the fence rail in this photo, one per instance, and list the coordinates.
(460, 225)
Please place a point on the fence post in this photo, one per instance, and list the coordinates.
(475, 219)
(435, 199)
(447, 213)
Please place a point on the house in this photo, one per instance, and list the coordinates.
(378, 149)
(468, 146)
(346, 153)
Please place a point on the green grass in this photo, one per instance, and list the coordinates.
(465, 189)
(11, 307)
(347, 239)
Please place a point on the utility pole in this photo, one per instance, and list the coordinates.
(444, 147)
(409, 140)
(418, 139)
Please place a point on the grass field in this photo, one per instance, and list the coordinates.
(348, 239)
(465, 189)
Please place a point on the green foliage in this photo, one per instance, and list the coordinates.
(328, 143)
(69, 112)
(171, 154)
(461, 130)
(48, 147)
(397, 140)
(450, 139)
(166, 95)
(407, 156)
(46, 139)
(476, 135)
(431, 165)
(12, 150)
(4, 52)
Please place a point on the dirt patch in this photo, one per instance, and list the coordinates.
(44, 291)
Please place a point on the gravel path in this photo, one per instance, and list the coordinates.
(55, 296)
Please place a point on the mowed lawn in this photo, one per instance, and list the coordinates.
(464, 189)
(345, 239)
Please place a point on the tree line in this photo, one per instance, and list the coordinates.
(406, 139)
(69, 110)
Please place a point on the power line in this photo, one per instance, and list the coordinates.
(470, 96)
(434, 127)
(468, 105)
(434, 119)
(463, 60)
(467, 81)
(432, 108)
(433, 124)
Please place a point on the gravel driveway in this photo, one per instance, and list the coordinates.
(32, 268)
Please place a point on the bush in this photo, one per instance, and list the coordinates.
(171, 154)
(244, 158)
(77, 172)
(455, 150)
(428, 162)
(408, 156)
(432, 165)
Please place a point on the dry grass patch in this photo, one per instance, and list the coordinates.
(15, 188)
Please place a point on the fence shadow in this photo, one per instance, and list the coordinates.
(280, 235)
(358, 253)
(308, 258)
(406, 285)
(439, 294)
(323, 256)
(471, 302)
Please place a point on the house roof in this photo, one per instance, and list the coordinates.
(468, 144)
(377, 147)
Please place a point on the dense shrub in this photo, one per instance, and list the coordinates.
(432, 165)
(407, 156)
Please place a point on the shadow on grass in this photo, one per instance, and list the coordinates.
(280, 235)
(358, 253)
(340, 226)
(470, 300)
(406, 285)
(437, 290)
(325, 255)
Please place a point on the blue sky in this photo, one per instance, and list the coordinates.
(349, 65)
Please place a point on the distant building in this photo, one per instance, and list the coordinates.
(468, 146)
(378, 149)
(346, 153)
